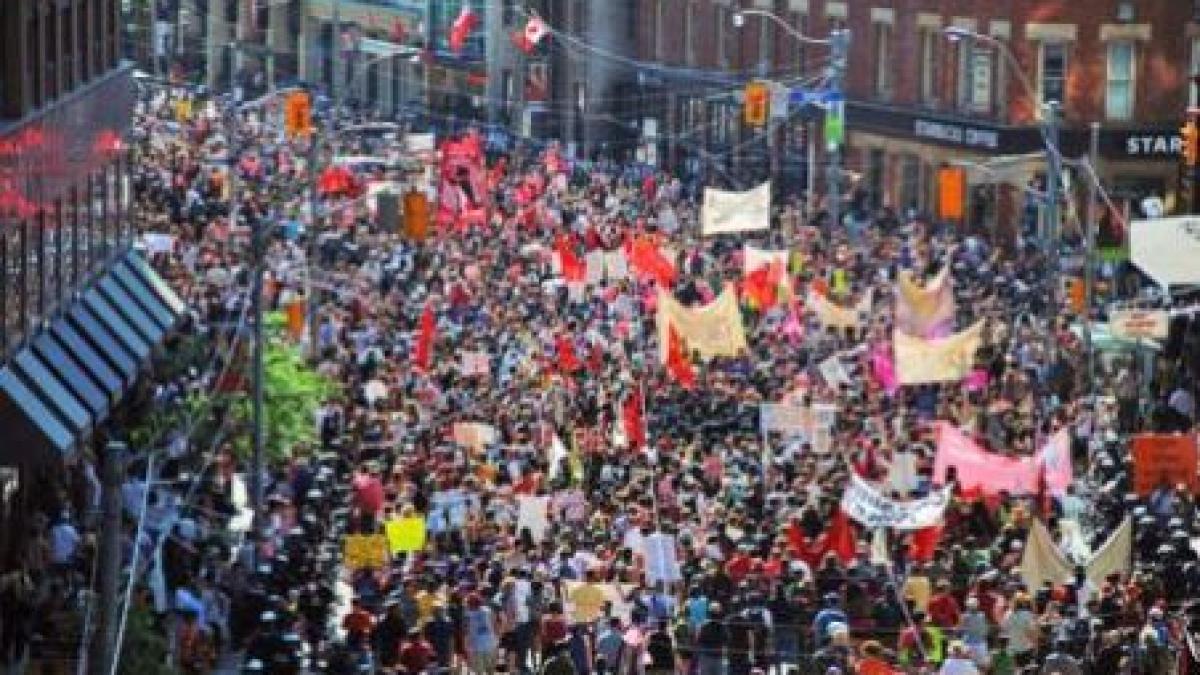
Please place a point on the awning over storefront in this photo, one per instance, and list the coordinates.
(64, 383)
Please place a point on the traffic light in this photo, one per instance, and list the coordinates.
(757, 104)
(297, 114)
(1191, 140)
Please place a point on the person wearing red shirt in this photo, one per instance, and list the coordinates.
(739, 565)
(943, 609)
(357, 623)
(415, 653)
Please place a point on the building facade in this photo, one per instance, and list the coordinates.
(80, 311)
(918, 100)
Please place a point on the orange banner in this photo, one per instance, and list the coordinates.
(1164, 459)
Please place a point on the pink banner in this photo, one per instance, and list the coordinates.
(884, 371)
(992, 473)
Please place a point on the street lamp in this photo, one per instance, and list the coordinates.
(739, 20)
(1048, 119)
(839, 47)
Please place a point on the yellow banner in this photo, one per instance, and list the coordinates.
(712, 330)
(832, 315)
(922, 361)
(405, 535)
(362, 551)
(924, 311)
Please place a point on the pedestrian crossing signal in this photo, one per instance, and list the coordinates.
(757, 104)
(297, 114)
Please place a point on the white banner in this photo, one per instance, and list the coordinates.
(869, 507)
(475, 363)
(755, 258)
(661, 562)
(1133, 324)
(833, 371)
(1167, 249)
(726, 212)
(807, 424)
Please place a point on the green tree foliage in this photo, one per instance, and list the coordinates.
(292, 392)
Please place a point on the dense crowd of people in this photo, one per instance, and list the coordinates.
(764, 571)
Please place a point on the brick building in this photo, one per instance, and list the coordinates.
(917, 99)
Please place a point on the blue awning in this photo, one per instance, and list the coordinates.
(55, 391)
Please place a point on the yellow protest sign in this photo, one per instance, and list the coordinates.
(405, 535)
(360, 551)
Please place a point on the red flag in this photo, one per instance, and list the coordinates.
(678, 364)
(632, 419)
(761, 287)
(924, 542)
(574, 268)
(519, 41)
(423, 352)
(648, 261)
(596, 358)
(568, 362)
(840, 539)
(462, 28)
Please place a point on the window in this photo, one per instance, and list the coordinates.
(798, 22)
(981, 79)
(1193, 95)
(928, 65)
(766, 46)
(1052, 73)
(658, 33)
(883, 61)
(962, 89)
(1119, 90)
(722, 31)
(689, 33)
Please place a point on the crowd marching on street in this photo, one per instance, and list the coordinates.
(583, 425)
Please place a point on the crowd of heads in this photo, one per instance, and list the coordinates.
(743, 509)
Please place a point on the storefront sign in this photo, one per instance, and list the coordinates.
(1133, 324)
(958, 134)
(1137, 144)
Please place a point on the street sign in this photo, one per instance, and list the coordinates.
(780, 101)
(820, 97)
(835, 126)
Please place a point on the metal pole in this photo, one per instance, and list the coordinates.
(336, 53)
(1053, 175)
(260, 258)
(1089, 262)
(312, 252)
(839, 42)
(104, 647)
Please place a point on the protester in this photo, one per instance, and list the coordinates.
(562, 478)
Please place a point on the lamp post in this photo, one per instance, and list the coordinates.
(838, 43)
(1047, 115)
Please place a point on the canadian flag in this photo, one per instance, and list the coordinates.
(535, 30)
(462, 28)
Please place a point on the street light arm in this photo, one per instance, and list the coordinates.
(783, 24)
(956, 33)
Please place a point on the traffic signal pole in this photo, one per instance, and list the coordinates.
(839, 42)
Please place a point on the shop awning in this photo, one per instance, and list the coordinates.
(64, 383)
(1167, 249)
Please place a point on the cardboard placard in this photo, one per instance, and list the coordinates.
(1159, 457)
(361, 551)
